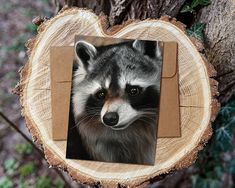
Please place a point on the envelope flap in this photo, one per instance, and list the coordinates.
(169, 55)
(61, 66)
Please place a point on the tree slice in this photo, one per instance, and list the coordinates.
(197, 104)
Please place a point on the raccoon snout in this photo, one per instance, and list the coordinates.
(111, 118)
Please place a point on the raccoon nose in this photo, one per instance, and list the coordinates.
(111, 118)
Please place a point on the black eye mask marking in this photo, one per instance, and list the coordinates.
(94, 106)
(133, 90)
(147, 98)
(101, 94)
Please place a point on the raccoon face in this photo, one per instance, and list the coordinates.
(117, 85)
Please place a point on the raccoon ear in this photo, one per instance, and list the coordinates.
(85, 52)
(149, 48)
(139, 45)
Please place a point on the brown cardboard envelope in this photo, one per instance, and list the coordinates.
(61, 59)
(169, 115)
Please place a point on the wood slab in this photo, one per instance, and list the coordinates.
(197, 91)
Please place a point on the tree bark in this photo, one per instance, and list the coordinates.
(220, 43)
(119, 11)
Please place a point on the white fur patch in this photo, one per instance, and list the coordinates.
(81, 94)
(107, 83)
(122, 81)
(79, 101)
(158, 50)
(142, 82)
(125, 111)
(79, 75)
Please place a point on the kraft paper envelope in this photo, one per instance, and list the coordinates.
(61, 60)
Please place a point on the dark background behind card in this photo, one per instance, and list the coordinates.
(75, 149)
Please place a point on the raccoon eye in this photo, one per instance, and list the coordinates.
(100, 94)
(133, 91)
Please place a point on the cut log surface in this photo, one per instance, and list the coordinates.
(197, 91)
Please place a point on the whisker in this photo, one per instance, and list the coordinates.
(146, 121)
(81, 120)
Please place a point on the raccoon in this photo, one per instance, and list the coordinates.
(115, 100)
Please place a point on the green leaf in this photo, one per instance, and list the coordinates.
(187, 8)
(5, 182)
(213, 183)
(18, 44)
(223, 139)
(226, 112)
(191, 5)
(24, 148)
(27, 169)
(194, 179)
(10, 165)
(45, 1)
(197, 30)
(218, 172)
(231, 166)
(196, 3)
(59, 183)
(224, 133)
(200, 182)
(232, 122)
(32, 28)
(44, 182)
(23, 183)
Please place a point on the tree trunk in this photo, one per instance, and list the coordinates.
(220, 43)
(119, 11)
